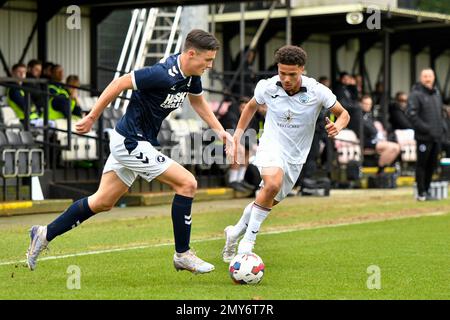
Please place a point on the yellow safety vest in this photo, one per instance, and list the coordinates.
(261, 129)
(18, 110)
(52, 113)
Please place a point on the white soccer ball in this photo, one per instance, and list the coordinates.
(246, 269)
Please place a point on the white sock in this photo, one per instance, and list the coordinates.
(233, 175)
(258, 215)
(241, 226)
(241, 173)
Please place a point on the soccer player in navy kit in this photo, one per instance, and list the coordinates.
(158, 90)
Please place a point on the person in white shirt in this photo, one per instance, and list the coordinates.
(293, 104)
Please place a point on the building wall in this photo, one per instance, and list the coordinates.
(15, 27)
(442, 69)
(111, 37)
(70, 48)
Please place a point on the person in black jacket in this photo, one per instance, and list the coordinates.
(34, 70)
(425, 110)
(397, 112)
(347, 93)
(16, 97)
(236, 173)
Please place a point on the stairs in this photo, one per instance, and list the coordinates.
(152, 36)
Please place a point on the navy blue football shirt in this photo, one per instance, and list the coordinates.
(158, 90)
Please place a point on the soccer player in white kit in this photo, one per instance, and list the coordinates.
(293, 104)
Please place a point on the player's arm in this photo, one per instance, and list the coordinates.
(333, 128)
(246, 116)
(201, 106)
(111, 92)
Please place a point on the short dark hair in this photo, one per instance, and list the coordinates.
(47, 65)
(72, 77)
(201, 40)
(399, 93)
(291, 55)
(17, 66)
(366, 96)
(244, 99)
(343, 74)
(55, 66)
(33, 62)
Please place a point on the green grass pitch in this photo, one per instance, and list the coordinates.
(313, 248)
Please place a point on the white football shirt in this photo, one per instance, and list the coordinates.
(291, 120)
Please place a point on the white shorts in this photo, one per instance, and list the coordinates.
(265, 159)
(144, 160)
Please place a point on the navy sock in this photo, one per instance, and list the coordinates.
(181, 219)
(69, 219)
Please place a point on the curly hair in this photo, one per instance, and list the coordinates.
(291, 55)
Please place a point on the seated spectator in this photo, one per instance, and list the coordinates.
(16, 97)
(325, 81)
(247, 69)
(347, 94)
(359, 84)
(377, 97)
(73, 82)
(47, 70)
(397, 112)
(60, 104)
(375, 137)
(34, 71)
(237, 171)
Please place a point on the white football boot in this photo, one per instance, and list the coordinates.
(190, 262)
(38, 243)
(229, 250)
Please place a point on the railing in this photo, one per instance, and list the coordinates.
(46, 127)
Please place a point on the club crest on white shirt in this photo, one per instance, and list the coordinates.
(304, 98)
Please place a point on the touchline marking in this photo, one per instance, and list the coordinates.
(432, 214)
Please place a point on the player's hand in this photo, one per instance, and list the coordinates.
(331, 128)
(85, 124)
(239, 153)
(228, 141)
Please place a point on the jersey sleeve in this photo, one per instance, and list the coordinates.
(196, 86)
(260, 91)
(327, 97)
(148, 78)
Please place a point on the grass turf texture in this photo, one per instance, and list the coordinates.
(307, 259)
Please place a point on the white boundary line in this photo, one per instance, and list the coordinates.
(432, 214)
